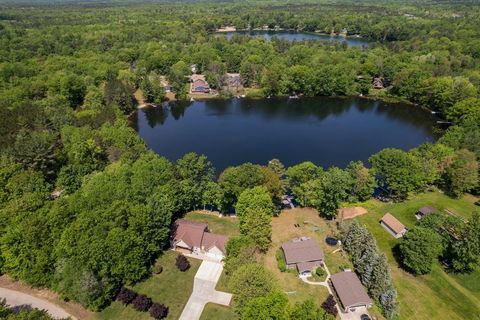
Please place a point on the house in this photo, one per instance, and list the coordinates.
(378, 83)
(424, 211)
(393, 226)
(192, 237)
(349, 291)
(303, 254)
(234, 79)
(199, 84)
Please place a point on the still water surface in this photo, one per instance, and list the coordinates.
(326, 131)
(296, 36)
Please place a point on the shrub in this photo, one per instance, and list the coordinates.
(157, 269)
(126, 295)
(182, 263)
(329, 306)
(320, 272)
(280, 260)
(158, 311)
(142, 303)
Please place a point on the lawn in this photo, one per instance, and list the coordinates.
(171, 287)
(221, 225)
(214, 311)
(283, 230)
(438, 295)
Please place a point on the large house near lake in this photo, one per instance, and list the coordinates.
(303, 254)
(349, 291)
(393, 226)
(194, 238)
(199, 84)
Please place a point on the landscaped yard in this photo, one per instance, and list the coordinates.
(283, 231)
(220, 225)
(439, 295)
(171, 287)
(214, 311)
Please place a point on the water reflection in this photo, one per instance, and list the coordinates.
(328, 131)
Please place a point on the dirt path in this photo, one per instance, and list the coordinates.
(24, 294)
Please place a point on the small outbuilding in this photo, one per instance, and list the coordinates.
(303, 254)
(349, 291)
(424, 211)
(393, 226)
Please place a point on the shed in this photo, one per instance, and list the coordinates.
(393, 226)
(424, 211)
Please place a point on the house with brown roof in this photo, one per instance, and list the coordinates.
(424, 211)
(193, 237)
(393, 226)
(349, 291)
(303, 254)
(199, 84)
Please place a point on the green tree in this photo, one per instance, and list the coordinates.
(249, 282)
(463, 109)
(194, 171)
(272, 306)
(397, 171)
(234, 180)
(466, 252)
(420, 249)
(308, 310)
(462, 175)
(363, 181)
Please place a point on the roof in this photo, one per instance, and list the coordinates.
(211, 240)
(306, 266)
(349, 289)
(426, 210)
(302, 251)
(393, 223)
(195, 77)
(190, 232)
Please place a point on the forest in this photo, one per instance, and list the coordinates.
(86, 208)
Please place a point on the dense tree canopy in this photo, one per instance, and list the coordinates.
(84, 206)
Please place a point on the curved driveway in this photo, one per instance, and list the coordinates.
(15, 298)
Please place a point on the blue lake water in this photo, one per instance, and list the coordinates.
(297, 36)
(326, 131)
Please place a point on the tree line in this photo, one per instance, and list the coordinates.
(85, 208)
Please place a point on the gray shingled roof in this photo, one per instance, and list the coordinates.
(349, 289)
(302, 251)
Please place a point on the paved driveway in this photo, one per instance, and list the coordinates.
(15, 298)
(204, 291)
(354, 315)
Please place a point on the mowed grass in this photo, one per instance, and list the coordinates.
(221, 225)
(214, 311)
(171, 287)
(283, 230)
(438, 295)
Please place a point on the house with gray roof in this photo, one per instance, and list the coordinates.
(303, 254)
(349, 291)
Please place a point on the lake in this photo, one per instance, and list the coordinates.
(326, 131)
(297, 36)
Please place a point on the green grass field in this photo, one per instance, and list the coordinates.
(438, 295)
(225, 225)
(172, 288)
(214, 311)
